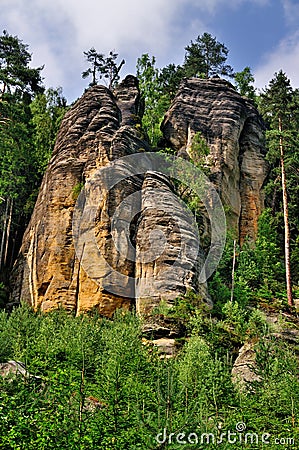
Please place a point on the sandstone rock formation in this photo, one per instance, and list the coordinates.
(166, 231)
(233, 130)
(99, 129)
(145, 237)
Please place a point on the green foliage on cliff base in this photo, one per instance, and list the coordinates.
(102, 388)
(259, 271)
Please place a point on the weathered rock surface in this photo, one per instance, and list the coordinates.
(99, 129)
(233, 130)
(168, 257)
(12, 369)
(245, 369)
(283, 327)
(149, 245)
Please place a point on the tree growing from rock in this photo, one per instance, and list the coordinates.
(206, 57)
(102, 67)
(244, 83)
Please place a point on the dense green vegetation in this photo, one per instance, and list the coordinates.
(29, 120)
(103, 388)
(103, 385)
(280, 107)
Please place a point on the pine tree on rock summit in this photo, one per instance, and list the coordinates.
(206, 57)
(102, 67)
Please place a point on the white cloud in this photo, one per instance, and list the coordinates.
(211, 6)
(285, 58)
(291, 11)
(58, 31)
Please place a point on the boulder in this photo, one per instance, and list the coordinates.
(12, 369)
(244, 369)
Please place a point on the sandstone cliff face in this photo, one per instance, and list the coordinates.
(147, 241)
(167, 249)
(233, 130)
(100, 129)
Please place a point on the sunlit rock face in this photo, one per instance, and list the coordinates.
(147, 240)
(98, 129)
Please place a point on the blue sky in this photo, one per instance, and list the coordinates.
(262, 34)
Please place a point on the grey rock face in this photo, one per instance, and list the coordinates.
(244, 369)
(234, 133)
(12, 369)
(168, 257)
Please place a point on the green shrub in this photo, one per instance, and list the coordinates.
(138, 394)
(77, 189)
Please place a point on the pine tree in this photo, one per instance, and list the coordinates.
(169, 78)
(47, 111)
(19, 83)
(206, 57)
(15, 73)
(102, 67)
(280, 109)
(244, 83)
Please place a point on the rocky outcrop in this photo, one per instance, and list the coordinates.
(12, 369)
(244, 369)
(282, 330)
(99, 128)
(233, 130)
(97, 262)
(168, 256)
(127, 238)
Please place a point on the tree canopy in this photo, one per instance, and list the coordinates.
(29, 120)
(279, 104)
(206, 57)
(15, 72)
(244, 83)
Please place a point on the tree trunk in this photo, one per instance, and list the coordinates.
(113, 77)
(286, 219)
(94, 72)
(10, 201)
(233, 273)
(3, 234)
(3, 89)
